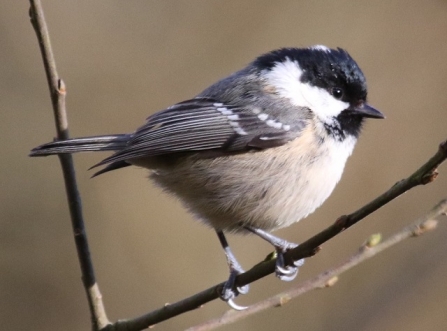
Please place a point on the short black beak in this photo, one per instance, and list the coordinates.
(366, 110)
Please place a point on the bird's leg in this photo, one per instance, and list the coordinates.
(228, 291)
(286, 273)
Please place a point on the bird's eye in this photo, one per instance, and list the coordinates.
(337, 92)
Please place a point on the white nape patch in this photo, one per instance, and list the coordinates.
(263, 116)
(320, 48)
(285, 77)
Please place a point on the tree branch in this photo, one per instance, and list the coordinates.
(329, 277)
(424, 175)
(58, 92)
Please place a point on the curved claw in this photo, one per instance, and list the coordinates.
(288, 277)
(298, 263)
(286, 271)
(228, 293)
(243, 289)
(235, 306)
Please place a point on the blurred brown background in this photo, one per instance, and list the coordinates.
(123, 60)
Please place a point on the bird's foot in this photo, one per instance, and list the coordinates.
(230, 291)
(283, 272)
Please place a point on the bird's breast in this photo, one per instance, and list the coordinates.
(267, 189)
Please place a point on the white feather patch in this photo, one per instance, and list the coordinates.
(285, 77)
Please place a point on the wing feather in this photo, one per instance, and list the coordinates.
(202, 124)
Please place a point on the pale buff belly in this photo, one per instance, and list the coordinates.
(268, 189)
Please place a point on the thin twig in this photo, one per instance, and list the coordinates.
(58, 92)
(328, 277)
(424, 175)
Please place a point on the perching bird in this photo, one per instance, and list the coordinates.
(257, 151)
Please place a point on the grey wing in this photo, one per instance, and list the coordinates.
(204, 124)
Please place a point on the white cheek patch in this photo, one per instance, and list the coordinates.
(285, 77)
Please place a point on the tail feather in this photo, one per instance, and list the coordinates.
(114, 142)
(110, 167)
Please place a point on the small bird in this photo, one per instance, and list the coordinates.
(257, 151)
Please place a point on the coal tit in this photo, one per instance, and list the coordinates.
(257, 151)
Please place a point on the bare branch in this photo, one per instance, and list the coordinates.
(58, 92)
(424, 175)
(329, 277)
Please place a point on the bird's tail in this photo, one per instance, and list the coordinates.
(113, 142)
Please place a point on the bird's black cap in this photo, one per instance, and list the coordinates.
(322, 67)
